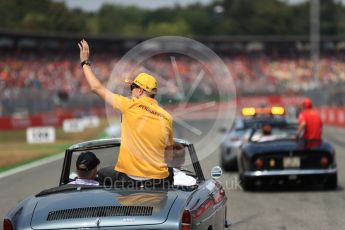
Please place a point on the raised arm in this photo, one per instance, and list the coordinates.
(95, 85)
(301, 127)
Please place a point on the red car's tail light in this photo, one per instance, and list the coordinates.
(259, 164)
(219, 196)
(8, 224)
(324, 161)
(203, 208)
(222, 192)
(186, 220)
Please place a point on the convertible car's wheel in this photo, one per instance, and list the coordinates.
(331, 182)
(247, 183)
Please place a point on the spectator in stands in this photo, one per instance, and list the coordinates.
(47, 72)
(309, 122)
(86, 165)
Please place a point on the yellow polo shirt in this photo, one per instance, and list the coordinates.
(146, 131)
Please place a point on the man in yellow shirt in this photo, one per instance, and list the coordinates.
(146, 128)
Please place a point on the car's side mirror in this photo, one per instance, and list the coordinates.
(216, 172)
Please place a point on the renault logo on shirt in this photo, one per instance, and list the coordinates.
(153, 112)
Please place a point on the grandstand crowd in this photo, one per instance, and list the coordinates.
(58, 72)
(62, 74)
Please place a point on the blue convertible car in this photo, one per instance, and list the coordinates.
(199, 206)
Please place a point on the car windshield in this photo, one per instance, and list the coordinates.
(237, 132)
(108, 156)
(257, 123)
(276, 133)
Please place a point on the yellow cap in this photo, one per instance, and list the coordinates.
(146, 82)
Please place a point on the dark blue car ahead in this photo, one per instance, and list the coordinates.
(280, 158)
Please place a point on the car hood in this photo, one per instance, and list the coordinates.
(102, 208)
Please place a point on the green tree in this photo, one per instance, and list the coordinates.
(34, 22)
(300, 19)
(180, 27)
(199, 19)
(236, 17)
(329, 16)
(120, 20)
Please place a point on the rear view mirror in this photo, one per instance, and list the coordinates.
(216, 172)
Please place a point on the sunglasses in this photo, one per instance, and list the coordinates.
(134, 86)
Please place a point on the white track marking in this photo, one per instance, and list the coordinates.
(31, 165)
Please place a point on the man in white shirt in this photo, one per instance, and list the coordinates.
(266, 133)
(176, 161)
(86, 164)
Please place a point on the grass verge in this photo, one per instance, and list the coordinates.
(14, 151)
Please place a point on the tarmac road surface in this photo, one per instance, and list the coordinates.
(282, 209)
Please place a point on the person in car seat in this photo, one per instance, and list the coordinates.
(86, 165)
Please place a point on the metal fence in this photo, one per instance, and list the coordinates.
(332, 95)
(33, 101)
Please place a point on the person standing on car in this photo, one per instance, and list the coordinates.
(146, 128)
(86, 165)
(309, 122)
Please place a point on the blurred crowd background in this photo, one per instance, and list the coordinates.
(264, 44)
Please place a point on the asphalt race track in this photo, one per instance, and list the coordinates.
(279, 209)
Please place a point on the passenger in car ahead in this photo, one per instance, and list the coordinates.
(266, 133)
(310, 123)
(86, 164)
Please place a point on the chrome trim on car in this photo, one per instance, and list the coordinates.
(110, 141)
(113, 141)
(290, 172)
(94, 143)
(182, 141)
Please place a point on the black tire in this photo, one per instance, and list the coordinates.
(331, 182)
(247, 183)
